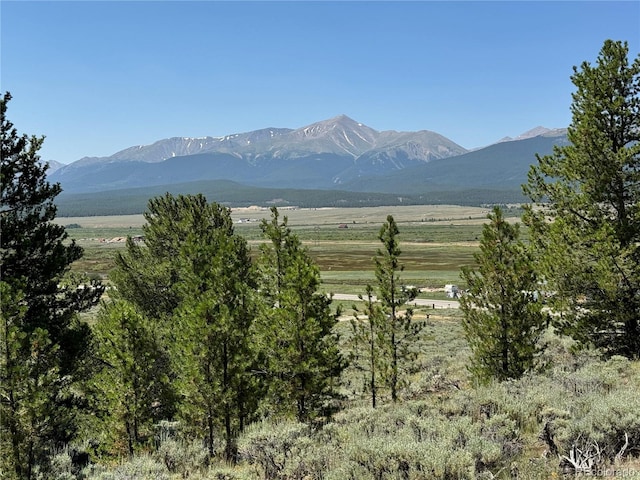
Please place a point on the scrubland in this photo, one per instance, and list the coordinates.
(575, 414)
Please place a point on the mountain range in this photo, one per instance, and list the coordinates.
(339, 154)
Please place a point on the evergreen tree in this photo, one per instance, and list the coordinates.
(590, 190)
(399, 331)
(132, 389)
(194, 279)
(367, 337)
(147, 275)
(300, 351)
(215, 320)
(44, 345)
(503, 319)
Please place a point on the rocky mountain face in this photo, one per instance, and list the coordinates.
(536, 132)
(340, 135)
(52, 166)
(334, 153)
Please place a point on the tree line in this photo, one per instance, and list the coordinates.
(195, 331)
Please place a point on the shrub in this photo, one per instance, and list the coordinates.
(606, 427)
(270, 445)
(225, 472)
(61, 467)
(416, 441)
(182, 457)
(141, 467)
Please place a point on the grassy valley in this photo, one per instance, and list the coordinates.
(437, 239)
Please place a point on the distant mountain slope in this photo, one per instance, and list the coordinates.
(319, 155)
(338, 154)
(490, 175)
(503, 165)
(134, 201)
(536, 132)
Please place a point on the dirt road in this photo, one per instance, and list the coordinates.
(422, 302)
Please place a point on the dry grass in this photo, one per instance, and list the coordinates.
(317, 216)
(109, 221)
(435, 240)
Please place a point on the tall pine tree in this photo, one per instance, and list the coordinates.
(214, 351)
(300, 351)
(399, 331)
(193, 278)
(590, 192)
(43, 344)
(131, 390)
(503, 318)
(367, 337)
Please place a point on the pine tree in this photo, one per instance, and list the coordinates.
(132, 390)
(503, 318)
(399, 332)
(215, 322)
(44, 345)
(194, 279)
(590, 190)
(302, 361)
(367, 337)
(147, 275)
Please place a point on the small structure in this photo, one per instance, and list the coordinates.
(452, 291)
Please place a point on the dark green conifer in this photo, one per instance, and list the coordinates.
(399, 331)
(586, 220)
(503, 317)
(300, 351)
(43, 345)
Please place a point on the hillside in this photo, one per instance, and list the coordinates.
(502, 166)
(134, 201)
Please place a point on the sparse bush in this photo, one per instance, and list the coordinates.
(415, 441)
(608, 427)
(67, 463)
(182, 457)
(141, 467)
(224, 472)
(61, 467)
(270, 445)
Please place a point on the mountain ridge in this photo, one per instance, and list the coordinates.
(357, 135)
(330, 154)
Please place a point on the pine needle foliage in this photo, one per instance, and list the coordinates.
(43, 344)
(367, 334)
(398, 332)
(214, 348)
(586, 217)
(299, 349)
(132, 390)
(503, 319)
(193, 277)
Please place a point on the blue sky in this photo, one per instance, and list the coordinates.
(97, 77)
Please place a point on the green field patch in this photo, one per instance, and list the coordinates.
(436, 241)
(348, 256)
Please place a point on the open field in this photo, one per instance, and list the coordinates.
(305, 217)
(435, 240)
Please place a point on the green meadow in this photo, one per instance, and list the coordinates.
(436, 240)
